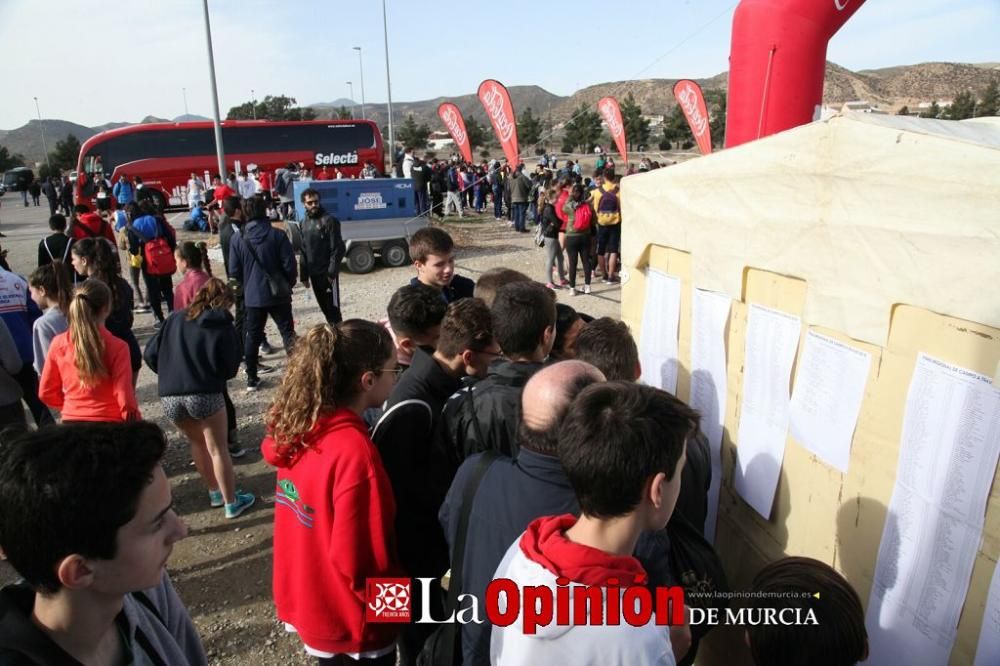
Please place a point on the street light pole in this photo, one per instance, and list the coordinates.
(361, 66)
(253, 103)
(41, 128)
(350, 86)
(388, 86)
(219, 151)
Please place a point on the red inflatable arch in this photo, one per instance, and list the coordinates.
(777, 63)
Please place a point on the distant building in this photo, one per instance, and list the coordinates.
(860, 106)
(439, 141)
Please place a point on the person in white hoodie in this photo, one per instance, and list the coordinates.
(623, 448)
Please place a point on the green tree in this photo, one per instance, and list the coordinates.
(477, 133)
(962, 106)
(989, 101)
(582, 131)
(529, 128)
(8, 161)
(412, 135)
(280, 107)
(343, 113)
(717, 105)
(65, 155)
(636, 127)
(933, 111)
(903, 111)
(676, 130)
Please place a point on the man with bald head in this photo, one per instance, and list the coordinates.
(512, 493)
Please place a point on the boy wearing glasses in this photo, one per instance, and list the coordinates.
(322, 251)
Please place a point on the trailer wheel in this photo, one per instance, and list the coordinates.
(361, 259)
(396, 253)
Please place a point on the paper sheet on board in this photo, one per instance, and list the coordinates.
(660, 319)
(988, 650)
(829, 387)
(772, 338)
(709, 316)
(948, 456)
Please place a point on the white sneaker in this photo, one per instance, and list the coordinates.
(572, 291)
(586, 288)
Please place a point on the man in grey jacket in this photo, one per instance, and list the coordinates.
(87, 519)
(520, 190)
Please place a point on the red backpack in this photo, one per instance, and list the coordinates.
(157, 252)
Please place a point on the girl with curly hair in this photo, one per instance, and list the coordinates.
(334, 507)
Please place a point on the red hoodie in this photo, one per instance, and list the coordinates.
(91, 225)
(333, 528)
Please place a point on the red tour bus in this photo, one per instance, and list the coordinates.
(165, 154)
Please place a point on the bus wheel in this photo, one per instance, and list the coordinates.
(361, 259)
(396, 253)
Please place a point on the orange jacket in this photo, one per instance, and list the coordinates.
(112, 400)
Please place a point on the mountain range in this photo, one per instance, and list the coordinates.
(888, 88)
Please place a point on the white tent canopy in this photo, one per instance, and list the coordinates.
(871, 210)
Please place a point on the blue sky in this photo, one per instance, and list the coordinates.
(104, 62)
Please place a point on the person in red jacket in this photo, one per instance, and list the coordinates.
(86, 224)
(334, 506)
(87, 374)
(220, 192)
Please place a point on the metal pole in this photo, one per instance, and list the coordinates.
(253, 103)
(350, 86)
(361, 66)
(184, 92)
(219, 152)
(41, 128)
(388, 86)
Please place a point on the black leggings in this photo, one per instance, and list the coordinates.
(578, 247)
(159, 287)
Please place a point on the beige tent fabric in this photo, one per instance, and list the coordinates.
(871, 210)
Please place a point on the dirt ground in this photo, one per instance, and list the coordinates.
(223, 569)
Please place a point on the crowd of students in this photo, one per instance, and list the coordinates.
(480, 428)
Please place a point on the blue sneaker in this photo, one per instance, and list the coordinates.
(216, 498)
(243, 502)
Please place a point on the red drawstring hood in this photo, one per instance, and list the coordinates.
(545, 543)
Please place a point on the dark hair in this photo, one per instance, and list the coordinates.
(467, 324)
(428, 241)
(838, 639)
(609, 174)
(195, 255)
(57, 222)
(56, 281)
(608, 345)
(81, 208)
(230, 205)
(68, 489)
(104, 259)
(254, 208)
(493, 279)
(566, 316)
(309, 192)
(416, 308)
(615, 437)
(521, 313)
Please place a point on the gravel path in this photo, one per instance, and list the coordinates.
(223, 569)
